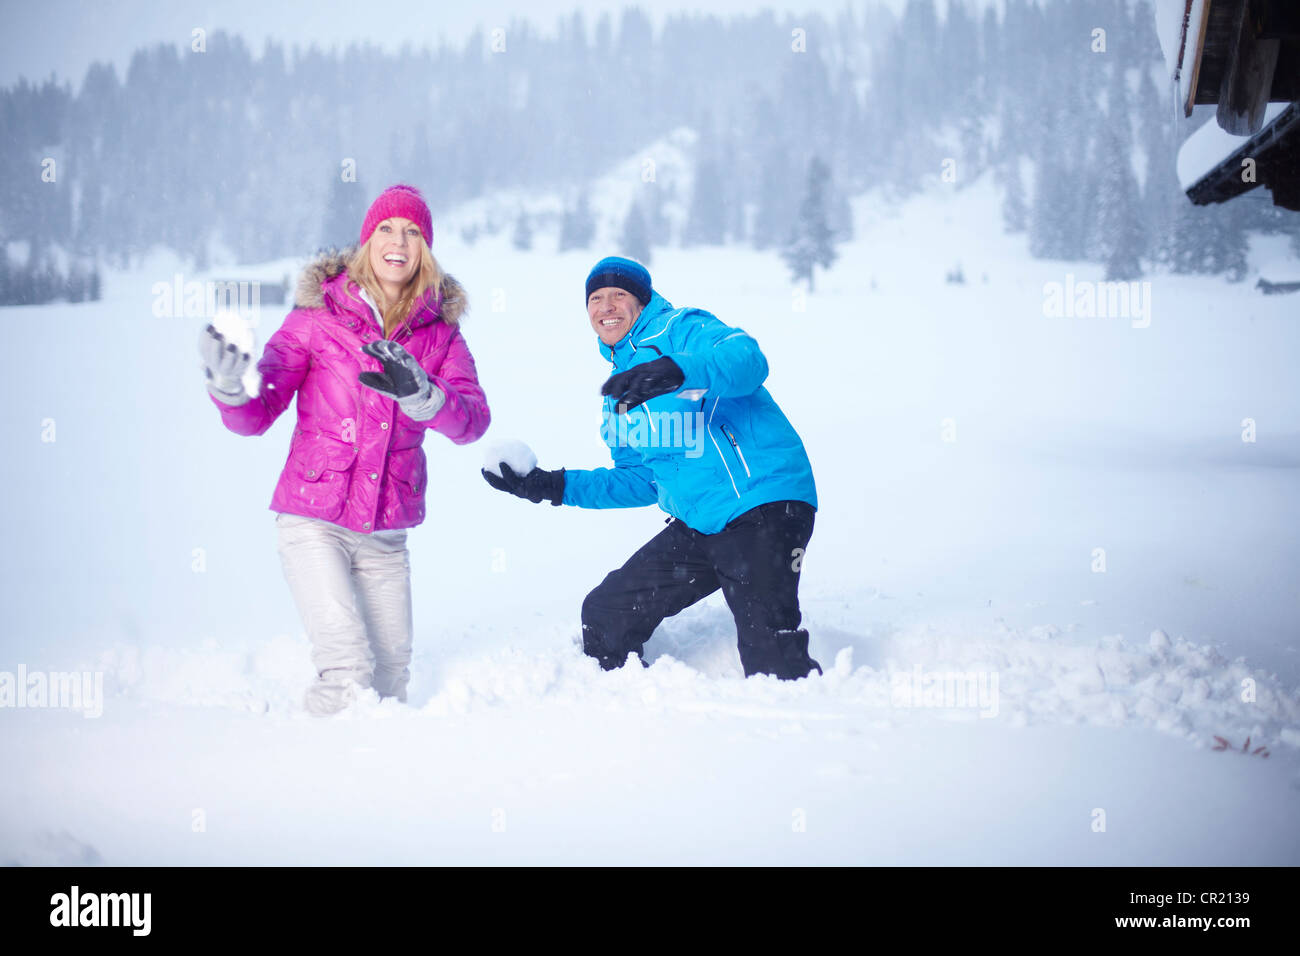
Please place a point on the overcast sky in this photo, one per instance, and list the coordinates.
(65, 36)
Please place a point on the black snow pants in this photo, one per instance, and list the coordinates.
(755, 559)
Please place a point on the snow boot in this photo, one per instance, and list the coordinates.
(330, 695)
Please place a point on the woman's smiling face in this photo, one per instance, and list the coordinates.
(395, 253)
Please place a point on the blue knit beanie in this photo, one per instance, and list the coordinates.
(621, 274)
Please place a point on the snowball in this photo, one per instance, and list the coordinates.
(514, 453)
(239, 332)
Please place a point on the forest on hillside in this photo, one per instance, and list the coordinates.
(276, 152)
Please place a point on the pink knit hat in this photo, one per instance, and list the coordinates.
(399, 200)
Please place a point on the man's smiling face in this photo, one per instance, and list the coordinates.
(612, 312)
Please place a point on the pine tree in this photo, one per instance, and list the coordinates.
(74, 285)
(1187, 243)
(53, 282)
(1015, 213)
(1210, 240)
(344, 214)
(706, 221)
(1123, 263)
(960, 86)
(658, 229)
(1049, 216)
(735, 224)
(1233, 245)
(1121, 232)
(24, 291)
(776, 199)
(811, 240)
(1162, 197)
(839, 213)
(523, 237)
(1120, 237)
(578, 226)
(636, 238)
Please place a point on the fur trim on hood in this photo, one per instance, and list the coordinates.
(331, 262)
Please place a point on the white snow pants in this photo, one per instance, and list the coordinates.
(353, 592)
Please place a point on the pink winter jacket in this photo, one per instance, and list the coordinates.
(355, 458)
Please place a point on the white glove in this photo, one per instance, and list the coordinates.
(225, 365)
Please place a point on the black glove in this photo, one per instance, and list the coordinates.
(537, 486)
(643, 382)
(402, 376)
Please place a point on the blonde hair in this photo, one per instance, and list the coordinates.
(428, 275)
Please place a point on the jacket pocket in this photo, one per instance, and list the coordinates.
(733, 457)
(324, 471)
(405, 486)
(735, 447)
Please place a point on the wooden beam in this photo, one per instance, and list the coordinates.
(1248, 78)
(1280, 18)
(1193, 45)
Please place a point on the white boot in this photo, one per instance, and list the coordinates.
(328, 696)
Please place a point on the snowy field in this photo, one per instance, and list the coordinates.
(972, 456)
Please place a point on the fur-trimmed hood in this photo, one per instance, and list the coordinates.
(329, 263)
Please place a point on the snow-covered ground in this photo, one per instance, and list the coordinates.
(978, 462)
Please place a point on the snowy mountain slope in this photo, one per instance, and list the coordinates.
(664, 166)
(974, 556)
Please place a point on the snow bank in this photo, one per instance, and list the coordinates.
(1033, 677)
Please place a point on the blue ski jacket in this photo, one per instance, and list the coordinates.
(716, 448)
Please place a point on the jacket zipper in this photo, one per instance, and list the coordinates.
(719, 450)
(736, 447)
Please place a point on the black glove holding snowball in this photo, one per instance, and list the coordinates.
(537, 486)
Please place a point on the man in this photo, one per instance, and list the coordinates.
(690, 426)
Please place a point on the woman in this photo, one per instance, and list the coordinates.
(373, 349)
